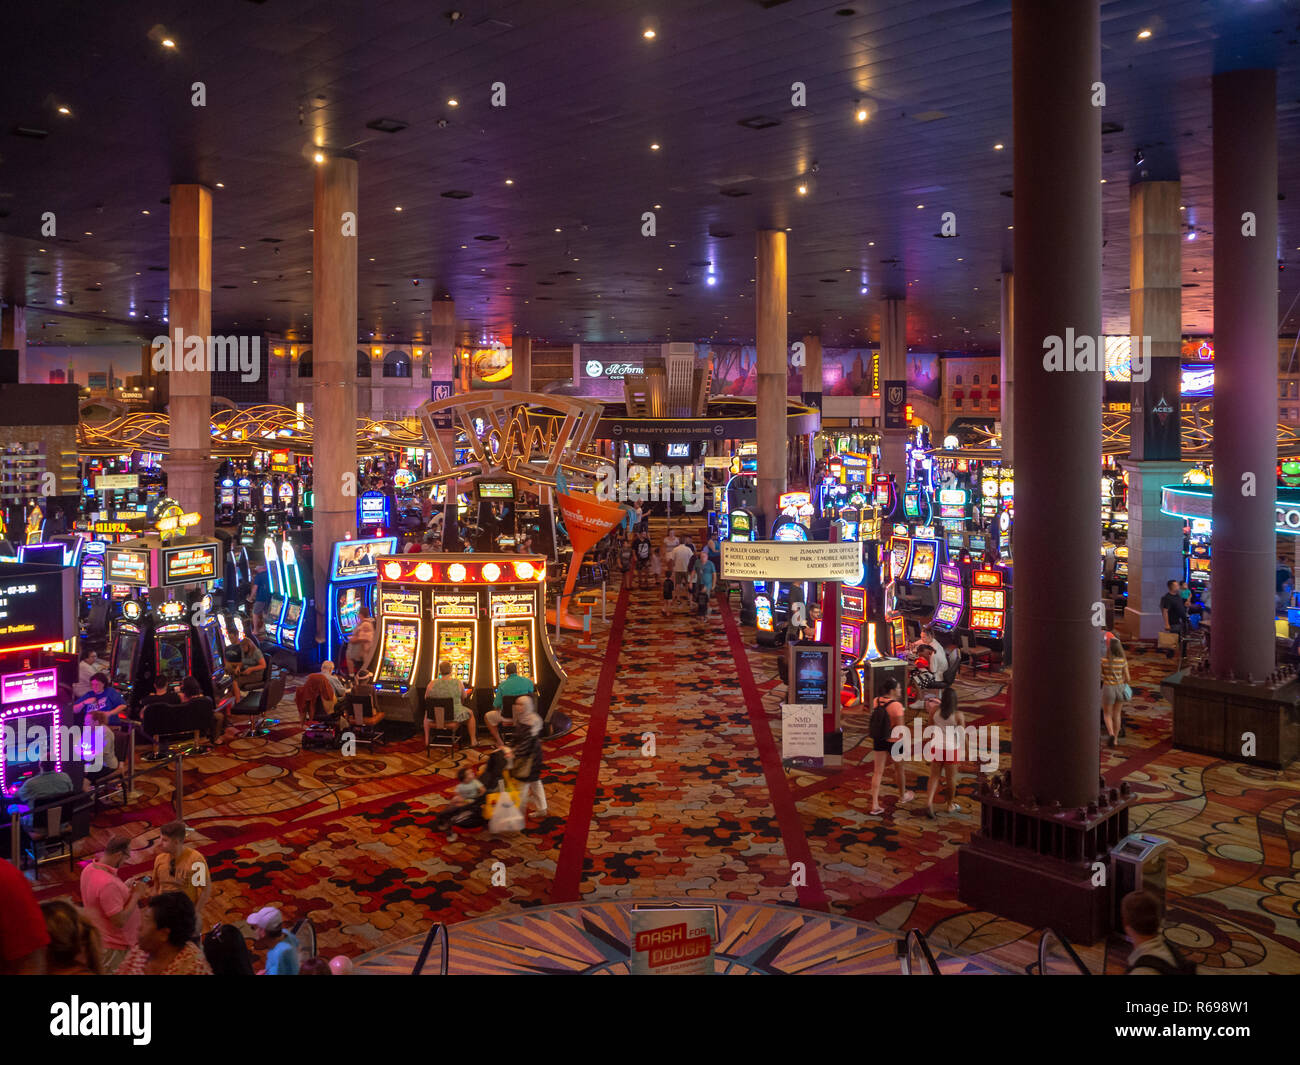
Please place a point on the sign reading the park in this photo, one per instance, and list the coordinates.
(673, 940)
(794, 560)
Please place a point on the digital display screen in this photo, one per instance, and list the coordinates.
(354, 559)
(1200, 565)
(347, 608)
(496, 490)
(18, 761)
(23, 687)
(849, 530)
(397, 658)
(679, 451)
(986, 620)
(950, 593)
(899, 549)
(948, 614)
(850, 639)
(911, 504)
(455, 606)
(853, 602)
(173, 655)
(977, 543)
(640, 451)
(955, 541)
(456, 645)
(988, 578)
(740, 525)
(273, 611)
(988, 598)
(372, 508)
(291, 616)
(514, 643)
(923, 556)
(184, 565)
(789, 531)
(763, 612)
(127, 567)
(92, 575)
(811, 676)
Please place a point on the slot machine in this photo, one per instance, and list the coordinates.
(93, 586)
(740, 525)
(354, 574)
(795, 518)
(923, 557)
(209, 635)
(275, 577)
(130, 635)
(225, 500)
(295, 630)
(173, 651)
(31, 713)
(900, 550)
(989, 602)
(268, 495)
(885, 494)
(248, 528)
(398, 646)
(286, 496)
(950, 611)
(455, 626)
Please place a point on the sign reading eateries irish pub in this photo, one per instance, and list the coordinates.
(809, 560)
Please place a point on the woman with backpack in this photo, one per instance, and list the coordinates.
(886, 714)
(946, 719)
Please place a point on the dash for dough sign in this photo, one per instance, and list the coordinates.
(673, 940)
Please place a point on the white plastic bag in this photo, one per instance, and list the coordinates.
(507, 817)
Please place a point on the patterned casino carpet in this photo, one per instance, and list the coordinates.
(711, 814)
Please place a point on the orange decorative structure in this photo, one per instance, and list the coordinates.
(586, 519)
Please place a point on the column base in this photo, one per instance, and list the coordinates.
(1140, 624)
(1222, 717)
(1036, 864)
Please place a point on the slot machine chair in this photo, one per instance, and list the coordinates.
(363, 717)
(104, 785)
(183, 726)
(975, 654)
(56, 826)
(268, 698)
(96, 636)
(448, 733)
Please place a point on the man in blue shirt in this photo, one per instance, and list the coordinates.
(102, 698)
(281, 946)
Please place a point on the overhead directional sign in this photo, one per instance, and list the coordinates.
(793, 560)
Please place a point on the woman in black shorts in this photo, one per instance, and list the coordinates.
(886, 713)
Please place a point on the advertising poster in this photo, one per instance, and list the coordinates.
(802, 735)
(895, 394)
(673, 940)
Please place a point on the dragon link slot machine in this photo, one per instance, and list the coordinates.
(481, 613)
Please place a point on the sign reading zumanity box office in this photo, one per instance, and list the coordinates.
(811, 560)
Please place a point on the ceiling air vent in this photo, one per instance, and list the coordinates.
(1112, 127)
(386, 125)
(735, 193)
(759, 122)
(720, 234)
(30, 131)
(487, 236)
(159, 269)
(270, 240)
(457, 194)
(40, 273)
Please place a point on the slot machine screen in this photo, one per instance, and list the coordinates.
(948, 614)
(986, 620)
(92, 576)
(899, 550)
(790, 531)
(456, 645)
(897, 633)
(923, 552)
(214, 643)
(347, 608)
(23, 760)
(849, 531)
(950, 593)
(911, 505)
(763, 612)
(1200, 569)
(514, 643)
(273, 611)
(397, 662)
(988, 598)
(640, 451)
(172, 660)
(292, 614)
(740, 525)
(679, 451)
(850, 639)
(127, 645)
(955, 541)
(977, 543)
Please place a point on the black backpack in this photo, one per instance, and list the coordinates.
(878, 725)
(1181, 966)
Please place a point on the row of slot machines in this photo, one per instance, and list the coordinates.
(974, 599)
(291, 614)
(481, 613)
(172, 640)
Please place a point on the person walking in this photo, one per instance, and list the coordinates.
(705, 579)
(524, 755)
(1116, 688)
(948, 721)
(886, 715)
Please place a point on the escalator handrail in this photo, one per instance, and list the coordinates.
(1046, 935)
(418, 968)
(905, 954)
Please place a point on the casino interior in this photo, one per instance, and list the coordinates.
(547, 518)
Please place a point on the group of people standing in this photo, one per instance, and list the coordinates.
(686, 574)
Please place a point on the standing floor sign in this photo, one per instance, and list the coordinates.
(803, 736)
(673, 940)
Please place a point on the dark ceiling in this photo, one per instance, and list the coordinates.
(586, 95)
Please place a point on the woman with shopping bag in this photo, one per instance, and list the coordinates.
(524, 755)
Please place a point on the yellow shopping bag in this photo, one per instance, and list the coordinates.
(494, 796)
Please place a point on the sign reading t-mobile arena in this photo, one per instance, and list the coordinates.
(771, 560)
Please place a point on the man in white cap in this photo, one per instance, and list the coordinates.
(281, 946)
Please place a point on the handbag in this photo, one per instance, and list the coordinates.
(1125, 692)
(507, 817)
(507, 787)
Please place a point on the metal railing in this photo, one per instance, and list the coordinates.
(418, 968)
(1048, 939)
(914, 955)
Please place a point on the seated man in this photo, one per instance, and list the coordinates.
(511, 686)
(808, 633)
(445, 686)
(46, 786)
(252, 665)
(928, 653)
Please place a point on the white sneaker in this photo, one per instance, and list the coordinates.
(954, 809)
(908, 796)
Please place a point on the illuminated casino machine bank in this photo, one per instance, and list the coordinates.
(354, 574)
(479, 612)
(31, 716)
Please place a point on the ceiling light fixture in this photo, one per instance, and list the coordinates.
(1144, 35)
(64, 111)
(167, 42)
(654, 147)
(998, 147)
(649, 35)
(453, 102)
(319, 157)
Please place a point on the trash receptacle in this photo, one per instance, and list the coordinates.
(1138, 862)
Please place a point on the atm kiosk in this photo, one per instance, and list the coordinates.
(354, 573)
(31, 713)
(480, 612)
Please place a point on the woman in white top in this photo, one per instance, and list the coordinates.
(86, 668)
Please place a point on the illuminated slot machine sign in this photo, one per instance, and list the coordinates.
(29, 720)
(884, 492)
(954, 504)
(127, 566)
(248, 530)
(900, 547)
(989, 496)
(988, 602)
(226, 497)
(268, 496)
(189, 565)
(244, 493)
(373, 510)
(796, 517)
(911, 503)
(513, 640)
(952, 599)
(285, 492)
(1121, 561)
(1198, 569)
(455, 617)
(763, 612)
(741, 525)
(853, 605)
(924, 556)
(92, 569)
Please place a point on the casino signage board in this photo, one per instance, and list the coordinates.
(127, 566)
(36, 606)
(188, 565)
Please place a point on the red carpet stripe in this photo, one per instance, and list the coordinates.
(573, 848)
(812, 896)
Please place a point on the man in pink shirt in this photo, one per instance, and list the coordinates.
(113, 905)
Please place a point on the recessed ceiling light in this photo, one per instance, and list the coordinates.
(862, 113)
(145, 211)
(871, 244)
(1103, 181)
(1143, 35)
(510, 181)
(1182, 208)
(453, 102)
(558, 229)
(221, 184)
(659, 207)
(167, 42)
(64, 111)
(654, 147)
(919, 206)
(398, 207)
(318, 157)
(89, 233)
(998, 147)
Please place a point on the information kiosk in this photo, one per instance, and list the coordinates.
(354, 573)
(479, 612)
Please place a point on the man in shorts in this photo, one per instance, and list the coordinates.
(643, 550)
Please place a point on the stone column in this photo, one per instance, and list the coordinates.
(189, 466)
(1155, 539)
(773, 372)
(521, 356)
(334, 345)
(13, 337)
(1245, 342)
(893, 367)
(811, 380)
(442, 340)
(1007, 369)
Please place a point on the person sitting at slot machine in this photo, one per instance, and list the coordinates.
(86, 668)
(252, 663)
(361, 641)
(808, 632)
(928, 653)
(102, 697)
(512, 685)
(335, 681)
(446, 686)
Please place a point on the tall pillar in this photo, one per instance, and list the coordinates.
(1245, 342)
(810, 385)
(521, 357)
(1007, 369)
(1030, 861)
(189, 465)
(442, 339)
(773, 372)
(334, 345)
(1155, 539)
(893, 367)
(13, 337)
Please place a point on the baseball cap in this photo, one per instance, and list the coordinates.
(268, 918)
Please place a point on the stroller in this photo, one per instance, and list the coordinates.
(470, 814)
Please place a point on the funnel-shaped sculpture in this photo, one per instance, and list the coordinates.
(586, 519)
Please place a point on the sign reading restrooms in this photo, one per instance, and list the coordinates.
(810, 560)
